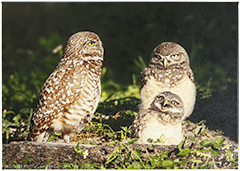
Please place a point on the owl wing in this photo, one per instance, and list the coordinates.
(59, 90)
(139, 122)
(190, 74)
(144, 75)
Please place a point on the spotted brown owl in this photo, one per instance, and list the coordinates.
(164, 116)
(70, 95)
(169, 70)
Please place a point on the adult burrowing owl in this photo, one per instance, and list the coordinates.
(70, 95)
(169, 70)
(164, 116)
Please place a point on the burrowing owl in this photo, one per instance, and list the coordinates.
(169, 70)
(164, 116)
(70, 95)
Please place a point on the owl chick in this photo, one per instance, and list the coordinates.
(169, 70)
(164, 116)
(70, 95)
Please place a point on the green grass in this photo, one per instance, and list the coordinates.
(195, 152)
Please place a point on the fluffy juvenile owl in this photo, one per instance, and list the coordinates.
(164, 116)
(169, 70)
(70, 95)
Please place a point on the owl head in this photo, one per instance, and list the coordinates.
(85, 45)
(169, 54)
(169, 105)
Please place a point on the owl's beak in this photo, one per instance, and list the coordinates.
(166, 104)
(165, 62)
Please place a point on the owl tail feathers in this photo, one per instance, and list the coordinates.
(30, 137)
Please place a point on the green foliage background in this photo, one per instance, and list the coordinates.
(129, 31)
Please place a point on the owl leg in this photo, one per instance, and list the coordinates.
(66, 138)
(43, 137)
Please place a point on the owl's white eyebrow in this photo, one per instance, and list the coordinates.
(175, 110)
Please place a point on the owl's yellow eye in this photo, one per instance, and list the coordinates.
(158, 56)
(175, 56)
(91, 44)
(175, 103)
(160, 98)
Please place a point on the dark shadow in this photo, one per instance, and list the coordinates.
(118, 112)
(220, 111)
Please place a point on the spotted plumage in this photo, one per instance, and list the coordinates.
(70, 95)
